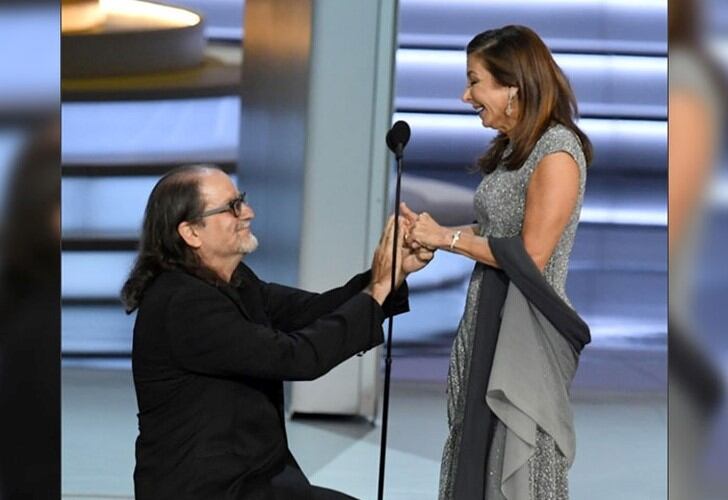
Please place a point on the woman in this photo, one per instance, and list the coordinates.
(532, 189)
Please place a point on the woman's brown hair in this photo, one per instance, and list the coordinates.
(517, 57)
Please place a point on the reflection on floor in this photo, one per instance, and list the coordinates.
(621, 441)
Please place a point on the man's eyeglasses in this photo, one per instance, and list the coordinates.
(234, 206)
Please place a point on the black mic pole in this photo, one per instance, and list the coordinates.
(388, 359)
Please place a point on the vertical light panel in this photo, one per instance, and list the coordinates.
(275, 80)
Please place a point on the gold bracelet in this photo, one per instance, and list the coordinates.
(455, 238)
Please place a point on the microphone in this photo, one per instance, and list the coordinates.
(398, 137)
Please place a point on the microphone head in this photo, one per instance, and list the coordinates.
(398, 136)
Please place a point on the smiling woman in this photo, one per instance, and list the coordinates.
(521, 90)
(527, 208)
(493, 102)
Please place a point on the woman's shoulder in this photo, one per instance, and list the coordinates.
(557, 138)
(559, 134)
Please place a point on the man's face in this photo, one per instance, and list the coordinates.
(223, 235)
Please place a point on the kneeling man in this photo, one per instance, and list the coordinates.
(213, 344)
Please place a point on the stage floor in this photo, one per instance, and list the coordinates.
(621, 442)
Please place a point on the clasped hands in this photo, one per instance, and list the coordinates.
(422, 232)
(417, 240)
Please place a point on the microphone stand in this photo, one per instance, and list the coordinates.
(388, 358)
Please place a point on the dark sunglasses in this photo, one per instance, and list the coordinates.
(234, 206)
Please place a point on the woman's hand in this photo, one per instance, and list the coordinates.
(424, 231)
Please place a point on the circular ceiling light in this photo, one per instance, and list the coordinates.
(127, 37)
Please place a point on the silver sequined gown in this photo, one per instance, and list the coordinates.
(499, 208)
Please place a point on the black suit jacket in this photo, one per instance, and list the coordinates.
(208, 364)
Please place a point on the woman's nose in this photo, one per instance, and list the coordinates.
(466, 95)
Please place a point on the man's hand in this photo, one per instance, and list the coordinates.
(414, 260)
(380, 285)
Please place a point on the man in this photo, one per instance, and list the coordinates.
(213, 344)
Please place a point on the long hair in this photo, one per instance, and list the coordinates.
(517, 57)
(175, 198)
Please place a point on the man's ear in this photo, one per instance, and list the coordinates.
(188, 232)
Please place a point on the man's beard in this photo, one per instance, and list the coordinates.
(249, 245)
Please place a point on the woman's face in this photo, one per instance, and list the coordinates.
(489, 98)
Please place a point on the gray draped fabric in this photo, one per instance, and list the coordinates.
(525, 354)
(529, 389)
(479, 421)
